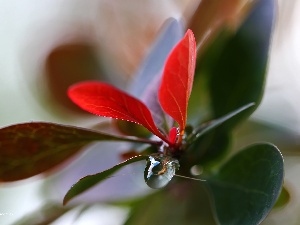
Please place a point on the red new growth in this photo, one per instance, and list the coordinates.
(105, 100)
(177, 80)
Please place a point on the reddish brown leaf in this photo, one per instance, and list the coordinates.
(177, 80)
(105, 100)
(67, 64)
(32, 148)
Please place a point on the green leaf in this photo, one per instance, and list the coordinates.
(245, 188)
(237, 74)
(185, 202)
(89, 181)
(202, 144)
(208, 150)
(217, 122)
(212, 16)
(29, 149)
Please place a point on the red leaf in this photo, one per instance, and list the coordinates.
(105, 100)
(29, 149)
(177, 80)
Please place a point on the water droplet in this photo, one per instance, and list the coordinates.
(196, 170)
(159, 170)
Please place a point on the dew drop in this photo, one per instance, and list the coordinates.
(196, 170)
(160, 170)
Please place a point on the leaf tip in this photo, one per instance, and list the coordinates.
(66, 199)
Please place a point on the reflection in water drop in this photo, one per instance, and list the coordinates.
(160, 170)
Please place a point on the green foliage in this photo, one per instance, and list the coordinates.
(246, 187)
(183, 203)
(87, 182)
(243, 190)
(201, 141)
(237, 70)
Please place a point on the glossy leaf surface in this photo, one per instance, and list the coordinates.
(88, 182)
(177, 80)
(29, 149)
(105, 100)
(247, 186)
(238, 74)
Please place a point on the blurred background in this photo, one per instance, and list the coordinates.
(107, 40)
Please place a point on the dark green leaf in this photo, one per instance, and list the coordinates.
(89, 181)
(217, 122)
(211, 17)
(29, 149)
(237, 75)
(207, 150)
(199, 100)
(245, 188)
(202, 142)
(184, 202)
